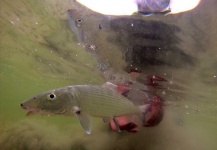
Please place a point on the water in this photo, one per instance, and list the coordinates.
(38, 51)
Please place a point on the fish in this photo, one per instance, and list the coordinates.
(76, 24)
(80, 28)
(84, 101)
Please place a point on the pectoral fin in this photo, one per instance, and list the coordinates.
(84, 120)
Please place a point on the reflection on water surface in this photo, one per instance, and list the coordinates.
(39, 51)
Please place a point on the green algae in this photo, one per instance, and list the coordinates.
(37, 52)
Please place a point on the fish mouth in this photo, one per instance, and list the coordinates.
(31, 111)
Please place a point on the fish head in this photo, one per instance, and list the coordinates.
(49, 102)
(76, 24)
(74, 15)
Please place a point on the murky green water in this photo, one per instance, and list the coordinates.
(38, 51)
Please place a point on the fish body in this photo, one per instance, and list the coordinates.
(83, 101)
(103, 102)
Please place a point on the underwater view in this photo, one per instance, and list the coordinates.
(72, 78)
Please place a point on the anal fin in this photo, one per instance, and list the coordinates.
(116, 124)
(144, 110)
(105, 120)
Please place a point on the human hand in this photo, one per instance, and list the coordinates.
(128, 7)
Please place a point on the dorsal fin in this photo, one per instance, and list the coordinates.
(120, 88)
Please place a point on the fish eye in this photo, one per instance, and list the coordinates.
(79, 20)
(51, 96)
(79, 23)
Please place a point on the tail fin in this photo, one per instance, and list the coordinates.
(144, 110)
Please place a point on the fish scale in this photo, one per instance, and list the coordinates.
(103, 102)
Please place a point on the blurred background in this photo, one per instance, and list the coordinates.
(40, 51)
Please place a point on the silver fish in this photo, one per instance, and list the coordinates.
(84, 101)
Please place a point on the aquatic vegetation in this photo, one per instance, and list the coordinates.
(38, 51)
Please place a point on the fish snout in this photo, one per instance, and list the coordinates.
(23, 106)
